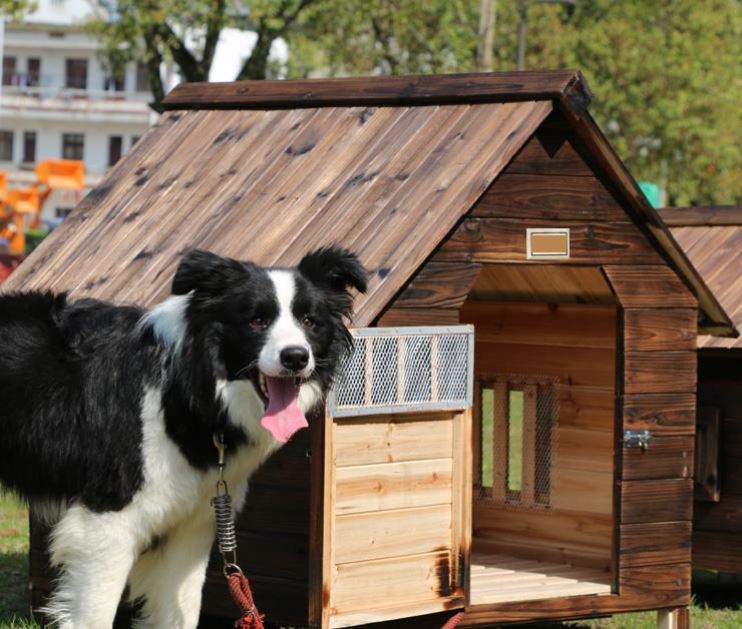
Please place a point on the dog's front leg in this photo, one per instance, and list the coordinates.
(170, 577)
(94, 553)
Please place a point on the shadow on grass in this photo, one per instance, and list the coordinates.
(14, 608)
(718, 596)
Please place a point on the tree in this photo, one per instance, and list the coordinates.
(667, 84)
(14, 9)
(347, 37)
(186, 32)
(665, 74)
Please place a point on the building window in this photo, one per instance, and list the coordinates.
(134, 139)
(8, 70)
(143, 84)
(6, 146)
(114, 82)
(29, 147)
(115, 148)
(73, 145)
(76, 75)
(517, 428)
(33, 78)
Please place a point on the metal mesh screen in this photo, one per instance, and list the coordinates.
(518, 424)
(405, 369)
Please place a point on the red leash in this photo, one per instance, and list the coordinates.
(454, 621)
(239, 588)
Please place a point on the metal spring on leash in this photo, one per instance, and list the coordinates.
(225, 529)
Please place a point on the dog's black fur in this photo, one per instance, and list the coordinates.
(72, 372)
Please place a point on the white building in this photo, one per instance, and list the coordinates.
(57, 100)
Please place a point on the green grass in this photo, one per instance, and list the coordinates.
(515, 439)
(13, 565)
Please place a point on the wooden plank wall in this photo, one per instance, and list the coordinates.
(576, 344)
(272, 539)
(717, 526)
(659, 322)
(397, 516)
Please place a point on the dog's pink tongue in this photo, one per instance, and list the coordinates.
(283, 417)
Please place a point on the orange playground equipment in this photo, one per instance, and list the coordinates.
(21, 207)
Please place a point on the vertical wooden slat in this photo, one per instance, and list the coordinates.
(322, 518)
(528, 478)
(476, 438)
(368, 369)
(462, 500)
(500, 428)
(434, 368)
(328, 533)
(401, 355)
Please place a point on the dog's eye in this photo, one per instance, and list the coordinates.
(260, 323)
(308, 322)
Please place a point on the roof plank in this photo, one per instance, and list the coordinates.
(566, 85)
(715, 248)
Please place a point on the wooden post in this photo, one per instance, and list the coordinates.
(677, 618)
(499, 453)
(528, 470)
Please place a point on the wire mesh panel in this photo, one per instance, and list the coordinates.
(395, 370)
(518, 431)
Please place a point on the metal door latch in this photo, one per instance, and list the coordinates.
(636, 439)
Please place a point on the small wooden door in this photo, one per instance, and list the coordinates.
(398, 501)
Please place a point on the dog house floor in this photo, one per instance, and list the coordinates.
(499, 579)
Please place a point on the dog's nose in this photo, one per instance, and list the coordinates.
(294, 357)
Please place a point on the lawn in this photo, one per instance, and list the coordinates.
(13, 564)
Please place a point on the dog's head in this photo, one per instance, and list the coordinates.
(278, 328)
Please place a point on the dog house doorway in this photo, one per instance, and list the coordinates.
(543, 433)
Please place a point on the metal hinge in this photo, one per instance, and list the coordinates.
(636, 439)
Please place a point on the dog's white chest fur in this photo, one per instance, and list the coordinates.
(172, 508)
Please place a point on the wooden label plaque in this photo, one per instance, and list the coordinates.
(549, 243)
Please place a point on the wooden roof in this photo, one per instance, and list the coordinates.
(386, 182)
(266, 170)
(712, 239)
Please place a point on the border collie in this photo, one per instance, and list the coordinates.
(109, 412)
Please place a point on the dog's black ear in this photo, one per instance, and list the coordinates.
(335, 268)
(207, 273)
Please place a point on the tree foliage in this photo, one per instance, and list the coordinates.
(186, 33)
(666, 73)
(15, 9)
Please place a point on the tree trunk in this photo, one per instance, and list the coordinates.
(486, 35)
(256, 65)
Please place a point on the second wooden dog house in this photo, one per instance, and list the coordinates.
(712, 239)
(561, 487)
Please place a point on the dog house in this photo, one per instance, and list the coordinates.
(712, 239)
(513, 434)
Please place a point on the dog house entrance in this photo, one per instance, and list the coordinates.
(517, 424)
(543, 454)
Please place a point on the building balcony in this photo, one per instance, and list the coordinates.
(64, 104)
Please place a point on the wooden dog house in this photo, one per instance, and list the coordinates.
(712, 239)
(489, 200)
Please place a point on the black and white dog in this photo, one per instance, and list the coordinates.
(108, 414)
